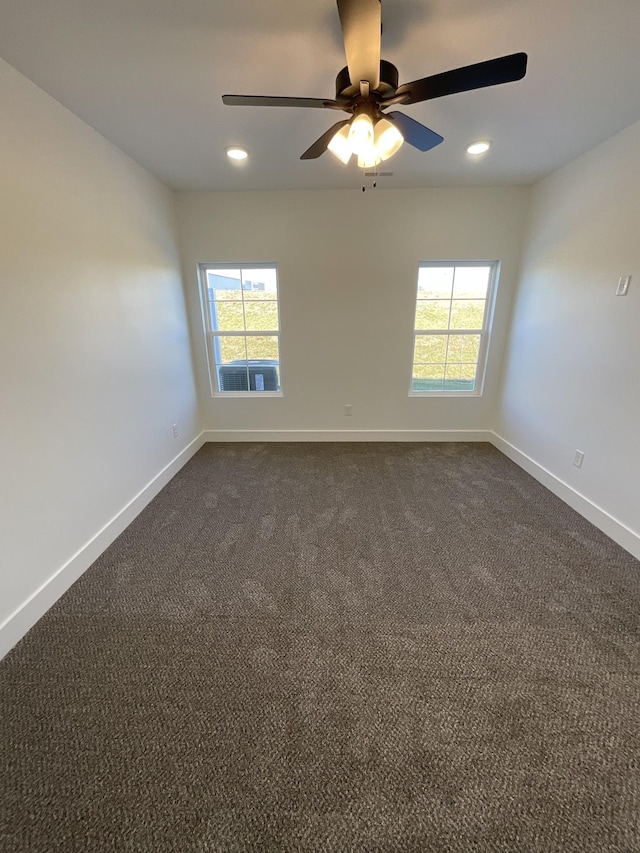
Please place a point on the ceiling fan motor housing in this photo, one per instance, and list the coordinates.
(346, 90)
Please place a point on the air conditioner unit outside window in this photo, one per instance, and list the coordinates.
(251, 375)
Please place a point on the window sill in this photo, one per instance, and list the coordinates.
(234, 395)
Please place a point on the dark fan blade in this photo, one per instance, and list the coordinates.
(320, 145)
(505, 69)
(414, 133)
(266, 101)
(361, 22)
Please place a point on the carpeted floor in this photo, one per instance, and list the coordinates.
(334, 647)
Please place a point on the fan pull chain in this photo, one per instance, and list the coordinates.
(373, 185)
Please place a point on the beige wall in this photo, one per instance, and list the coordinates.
(348, 274)
(95, 360)
(572, 372)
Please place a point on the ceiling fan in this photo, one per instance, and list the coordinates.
(368, 85)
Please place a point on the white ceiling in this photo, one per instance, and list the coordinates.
(149, 74)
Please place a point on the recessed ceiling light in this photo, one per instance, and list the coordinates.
(237, 153)
(479, 147)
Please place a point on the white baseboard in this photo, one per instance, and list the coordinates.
(26, 616)
(347, 435)
(599, 517)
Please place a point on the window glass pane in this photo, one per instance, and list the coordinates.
(260, 284)
(227, 316)
(228, 348)
(428, 371)
(458, 377)
(427, 377)
(452, 371)
(261, 316)
(467, 313)
(468, 371)
(454, 348)
(469, 347)
(243, 375)
(233, 377)
(432, 314)
(471, 282)
(223, 285)
(430, 348)
(463, 348)
(262, 347)
(264, 376)
(458, 385)
(435, 282)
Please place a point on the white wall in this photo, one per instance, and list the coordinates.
(95, 360)
(348, 266)
(572, 374)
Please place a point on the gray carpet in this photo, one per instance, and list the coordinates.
(334, 647)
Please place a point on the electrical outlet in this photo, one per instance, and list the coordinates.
(578, 458)
(623, 285)
(348, 410)
(176, 431)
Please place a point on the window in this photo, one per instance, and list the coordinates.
(240, 307)
(451, 329)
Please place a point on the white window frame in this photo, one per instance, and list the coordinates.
(485, 332)
(211, 333)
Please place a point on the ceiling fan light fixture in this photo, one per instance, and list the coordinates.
(340, 145)
(481, 146)
(236, 152)
(388, 138)
(369, 157)
(368, 84)
(361, 133)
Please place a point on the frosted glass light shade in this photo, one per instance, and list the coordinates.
(361, 133)
(368, 157)
(370, 144)
(388, 138)
(340, 145)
